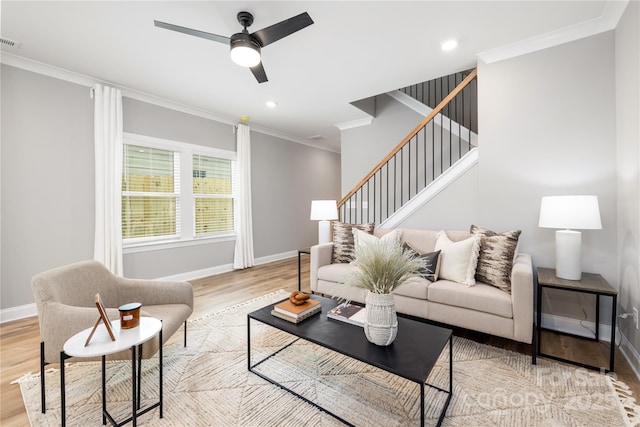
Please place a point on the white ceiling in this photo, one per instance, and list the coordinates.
(354, 50)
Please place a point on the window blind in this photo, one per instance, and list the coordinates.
(150, 192)
(214, 194)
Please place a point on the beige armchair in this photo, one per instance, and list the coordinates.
(65, 300)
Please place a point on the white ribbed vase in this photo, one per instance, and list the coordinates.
(381, 324)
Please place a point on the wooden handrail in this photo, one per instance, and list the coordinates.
(411, 134)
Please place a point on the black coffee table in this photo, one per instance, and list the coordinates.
(412, 355)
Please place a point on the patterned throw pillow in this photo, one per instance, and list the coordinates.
(458, 260)
(432, 263)
(496, 257)
(343, 246)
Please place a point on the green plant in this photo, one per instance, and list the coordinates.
(383, 266)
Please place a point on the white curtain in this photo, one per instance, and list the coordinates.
(108, 179)
(243, 256)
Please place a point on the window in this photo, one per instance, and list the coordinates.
(175, 192)
(213, 194)
(150, 192)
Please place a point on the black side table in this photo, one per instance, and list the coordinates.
(590, 283)
(300, 252)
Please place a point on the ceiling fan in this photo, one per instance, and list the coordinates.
(245, 47)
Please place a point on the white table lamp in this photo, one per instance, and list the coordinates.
(569, 212)
(324, 211)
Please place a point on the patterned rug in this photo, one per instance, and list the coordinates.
(207, 384)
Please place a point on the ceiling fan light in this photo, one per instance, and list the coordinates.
(244, 51)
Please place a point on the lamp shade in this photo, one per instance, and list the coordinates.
(570, 212)
(324, 210)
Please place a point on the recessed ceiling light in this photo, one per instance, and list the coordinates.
(449, 45)
(272, 104)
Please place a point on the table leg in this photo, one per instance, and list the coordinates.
(421, 404)
(612, 353)
(104, 390)
(249, 339)
(63, 404)
(538, 320)
(133, 386)
(139, 375)
(43, 400)
(597, 317)
(299, 273)
(451, 364)
(160, 369)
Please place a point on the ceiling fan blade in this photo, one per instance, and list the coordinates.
(282, 29)
(259, 73)
(192, 32)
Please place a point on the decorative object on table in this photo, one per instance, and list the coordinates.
(569, 212)
(383, 265)
(349, 313)
(130, 315)
(298, 298)
(103, 318)
(292, 319)
(323, 211)
(296, 313)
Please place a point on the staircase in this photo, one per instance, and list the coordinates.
(438, 149)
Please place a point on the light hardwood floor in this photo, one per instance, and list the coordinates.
(20, 339)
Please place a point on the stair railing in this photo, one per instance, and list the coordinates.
(432, 147)
(432, 92)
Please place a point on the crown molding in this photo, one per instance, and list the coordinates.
(607, 21)
(355, 123)
(84, 80)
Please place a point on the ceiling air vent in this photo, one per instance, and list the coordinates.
(316, 137)
(8, 42)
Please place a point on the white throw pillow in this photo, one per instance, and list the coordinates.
(458, 260)
(362, 238)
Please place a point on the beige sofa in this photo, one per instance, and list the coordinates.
(482, 307)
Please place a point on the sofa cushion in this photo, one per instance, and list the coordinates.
(415, 287)
(482, 297)
(495, 262)
(335, 272)
(458, 260)
(343, 246)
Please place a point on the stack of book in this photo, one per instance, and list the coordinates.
(349, 313)
(296, 313)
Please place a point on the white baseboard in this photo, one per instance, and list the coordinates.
(225, 268)
(576, 327)
(29, 310)
(630, 354)
(20, 312)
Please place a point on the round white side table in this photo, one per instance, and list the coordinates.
(101, 346)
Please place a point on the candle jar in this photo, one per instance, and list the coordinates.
(130, 315)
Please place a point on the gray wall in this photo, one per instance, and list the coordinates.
(627, 63)
(151, 120)
(437, 214)
(47, 178)
(547, 127)
(285, 178)
(363, 147)
(48, 184)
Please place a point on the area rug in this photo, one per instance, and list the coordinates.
(208, 384)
